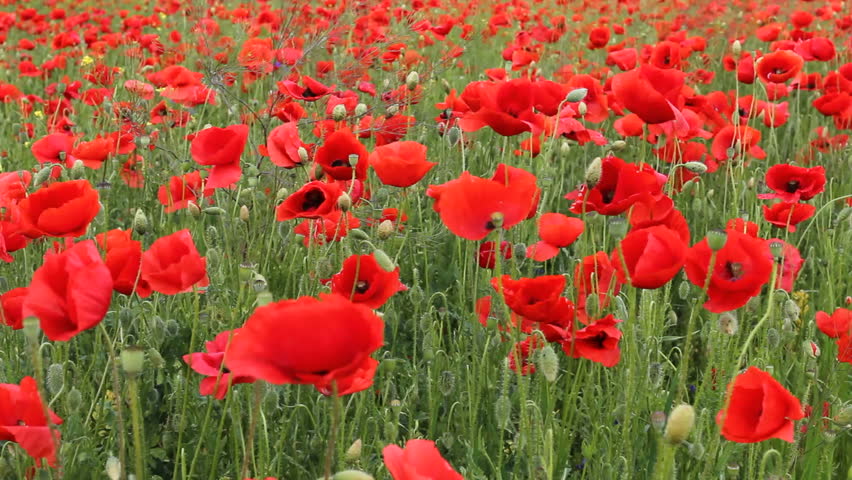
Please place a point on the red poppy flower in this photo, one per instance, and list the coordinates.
(362, 280)
(662, 212)
(62, 209)
(597, 342)
(792, 183)
(779, 66)
(330, 228)
(521, 355)
(313, 200)
(173, 265)
(124, 259)
(595, 275)
(471, 207)
(400, 164)
(652, 256)
(23, 421)
(486, 254)
(310, 90)
(11, 308)
(731, 139)
(621, 185)
(506, 107)
(220, 148)
(338, 153)
(741, 269)
(218, 379)
(651, 93)
(70, 292)
(758, 408)
(536, 299)
(419, 460)
(789, 264)
(308, 341)
(183, 190)
(555, 231)
(598, 37)
(54, 148)
(788, 215)
(283, 145)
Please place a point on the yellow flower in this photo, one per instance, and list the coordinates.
(87, 60)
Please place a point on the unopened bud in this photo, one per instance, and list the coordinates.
(728, 323)
(384, 260)
(453, 135)
(132, 361)
(354, 451)
(576, 95)
(281, 195)
(351, 475)
(360, 110)
(564, 149)
(618, 145)
(811, 349)
(412, 80)
(143, 141)
(658, 420)
(193, 209)
(113, 468)
(391, 110)
(503, 411)
(303, 155)
(358, 234)
(737, 48)
(695, 167)
(244, 213)
(42, 176)
(214, 211)
(338, 113)
(344, 201)
(548, 363)
(140, 222)
(618, 227)
(680, 423)
(77, 170)
(582, 108)
(385, 230)
(594, 172)
(55, 378)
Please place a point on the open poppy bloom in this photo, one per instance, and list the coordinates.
(183, 190)
(11, 308)
(506, 107)
(486, 254)
(838, 325)
(758, 408)
(621, 185)
(218, 379)
(322, 342)
(597, 341)
(400, 164)
(788, 215)
(329, 228)
(741, 269)
(343, 157)
(220, 148)
(792, 183)
(555, 231)
(651, 93)
(22, 420)
(314, 200)
(173, 265)
(62, 209)
(649, 257)
(124, 259)
(283, 145)
(533, 298)
(419, 460)
(362, 280)
(779, 66)
(472, 207)
(70, 292)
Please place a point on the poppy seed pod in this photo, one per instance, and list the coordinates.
(681, 421)
(133, 361)
(716, 239)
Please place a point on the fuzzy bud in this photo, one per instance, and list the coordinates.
(338, 113)
(680, 423)
(74, 400)
(214, 211)
(582, 108)
(576, 95)
(564, 149)
(695, 167)
(358, 234)
(503, 411)
(728, 323)
(811, 349)
(77, 170)
(344, 201)
(133, 361)
(391, 110)
(244, 213)
(384, 260)
(453, 135)
(594, 172)
(658, 420)
(618, 145)
(351, 475)
(736, 48)
(140, 222)
(412, 80)
(42, 176)
(354, 451)
(193, 209)
(360, 110)
(548, 363)
(55, 378)
(385, 230)
(113, 468)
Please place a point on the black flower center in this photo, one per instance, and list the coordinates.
(792, 186)
(313, 200)
(362, 286)
(340, 162)
(734, 270)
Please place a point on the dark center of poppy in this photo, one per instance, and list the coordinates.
(667, 59)
(313, 200)
(743, 112)
(598, 340)
(308, 93)
(607, 195)
(362, 286)
(340, 162)
(734, 270)
(489, 225)
(792, 186)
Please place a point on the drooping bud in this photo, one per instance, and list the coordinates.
(680, 423)
(576, 95)
(695, 167)
(384, 260)
(618, 145)
(358, 234)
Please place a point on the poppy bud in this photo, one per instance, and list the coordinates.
(658, 420)
(728, 323)
(564, 149)
(350, 475)
(695, 167)
(680, 424)
(360, 111)
(264, 298)
(384, 260)
(214, 211)
(751, 182)
(42, 176)
(143, 141)
(74, 400)
(385, 229)
(716, 239)
(655, 374)
(113, 468)
(338, 113)
(791, 309)
(244, 213)
(140, 222)
(548, 363)
(354, 451)
(358, 234)
(77, 170)
(519, 251)
(618, 145)
(696, 450)
(193, 209)
(55, 378)
(844, 417)
(594, 172)
(582, 108)
(344, 201)
(453, 135)
(736, 48)
(593, 307)
(281, 194)
(773, 338)
(303, 154)
(811, 349)
(576, 95)
(132, 361)
(391, 111)
(412, 80)
(446, 383)
(157, 360)
(391, 431)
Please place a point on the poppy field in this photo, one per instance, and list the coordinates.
(426, 240)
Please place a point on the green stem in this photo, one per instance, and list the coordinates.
(136, 418)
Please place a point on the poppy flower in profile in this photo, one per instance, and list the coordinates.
(173, 265)
(595, 275)
(343, 157)
(183, 190)
(400, 164)
(788, 215)
(23, 421)
(362, 280)
(555, 231)
(651, 256)
(597, 342)
(310, 90)
(535, 299)
(11, 308)
(124, 259)
(218, 379)
(314, 200)
(621, 185)
(472, 207)
(330, 228)
(836, 325)
(220, 148)
(283, 145)
(70, 292)
(758, 408)
(419, 460)
(731, 140)
(742, 267)
(486, 253)
(789, 264)
(779, 66)
(62, 209)
(651, 93)
(792, 183)
(506, 107)
(308, 341)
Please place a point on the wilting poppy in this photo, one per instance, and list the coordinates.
(555, 231)
(788, 215)
(218, 379)
(173, 265)
(758, 408)
(220, 148)
(342, 156)
(779, 66)
(400, 164)
(23, 421)
(314, 200)
(362, 280)
(597, 342)
(309, 341)
(70, 292)
(11, 307)
(792, 183)
(650, 256)
(419, 460)
(124, 259)
(62, 209)
(740, 270)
